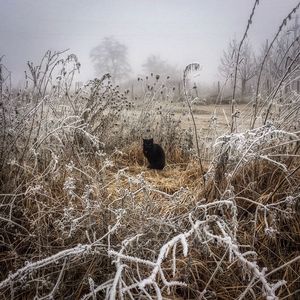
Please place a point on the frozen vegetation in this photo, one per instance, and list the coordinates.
(83, 218)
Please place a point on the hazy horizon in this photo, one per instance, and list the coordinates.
(180, 32)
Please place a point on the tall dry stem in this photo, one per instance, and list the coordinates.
(233, 101)
(283, 24)
(189, 68)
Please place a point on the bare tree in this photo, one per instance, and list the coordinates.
(247, 66)
(110, 56)
(283, 52)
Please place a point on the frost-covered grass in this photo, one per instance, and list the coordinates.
(83, 218)
(76, 225)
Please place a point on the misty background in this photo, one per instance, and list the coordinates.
(179, 32)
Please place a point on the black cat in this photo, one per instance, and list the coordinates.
(155, 154)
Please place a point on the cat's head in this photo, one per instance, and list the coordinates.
(148, 143)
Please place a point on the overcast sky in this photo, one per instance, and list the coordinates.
(180, 31)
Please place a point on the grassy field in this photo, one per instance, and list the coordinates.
(218, 116)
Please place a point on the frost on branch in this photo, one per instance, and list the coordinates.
(212, 231)
(235, 150)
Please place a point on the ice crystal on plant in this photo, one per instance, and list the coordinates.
(69, 186)
(271, 232)
(86, 197)
(70, 166)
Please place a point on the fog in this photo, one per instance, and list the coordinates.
(178, 31)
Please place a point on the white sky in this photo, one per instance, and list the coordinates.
(180, 31)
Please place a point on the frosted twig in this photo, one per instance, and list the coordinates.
(52, 293)
(113, 289)
(29, 267)
(75, 251)
(151, 280)
(131, 258)
(96, 290)
(252, 283)
(261, 275)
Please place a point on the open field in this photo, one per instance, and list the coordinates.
(209, 117)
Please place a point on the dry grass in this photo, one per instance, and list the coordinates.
(83, 218)
(156, 206)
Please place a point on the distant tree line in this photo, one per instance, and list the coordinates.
(111, 56)
(283, 52)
